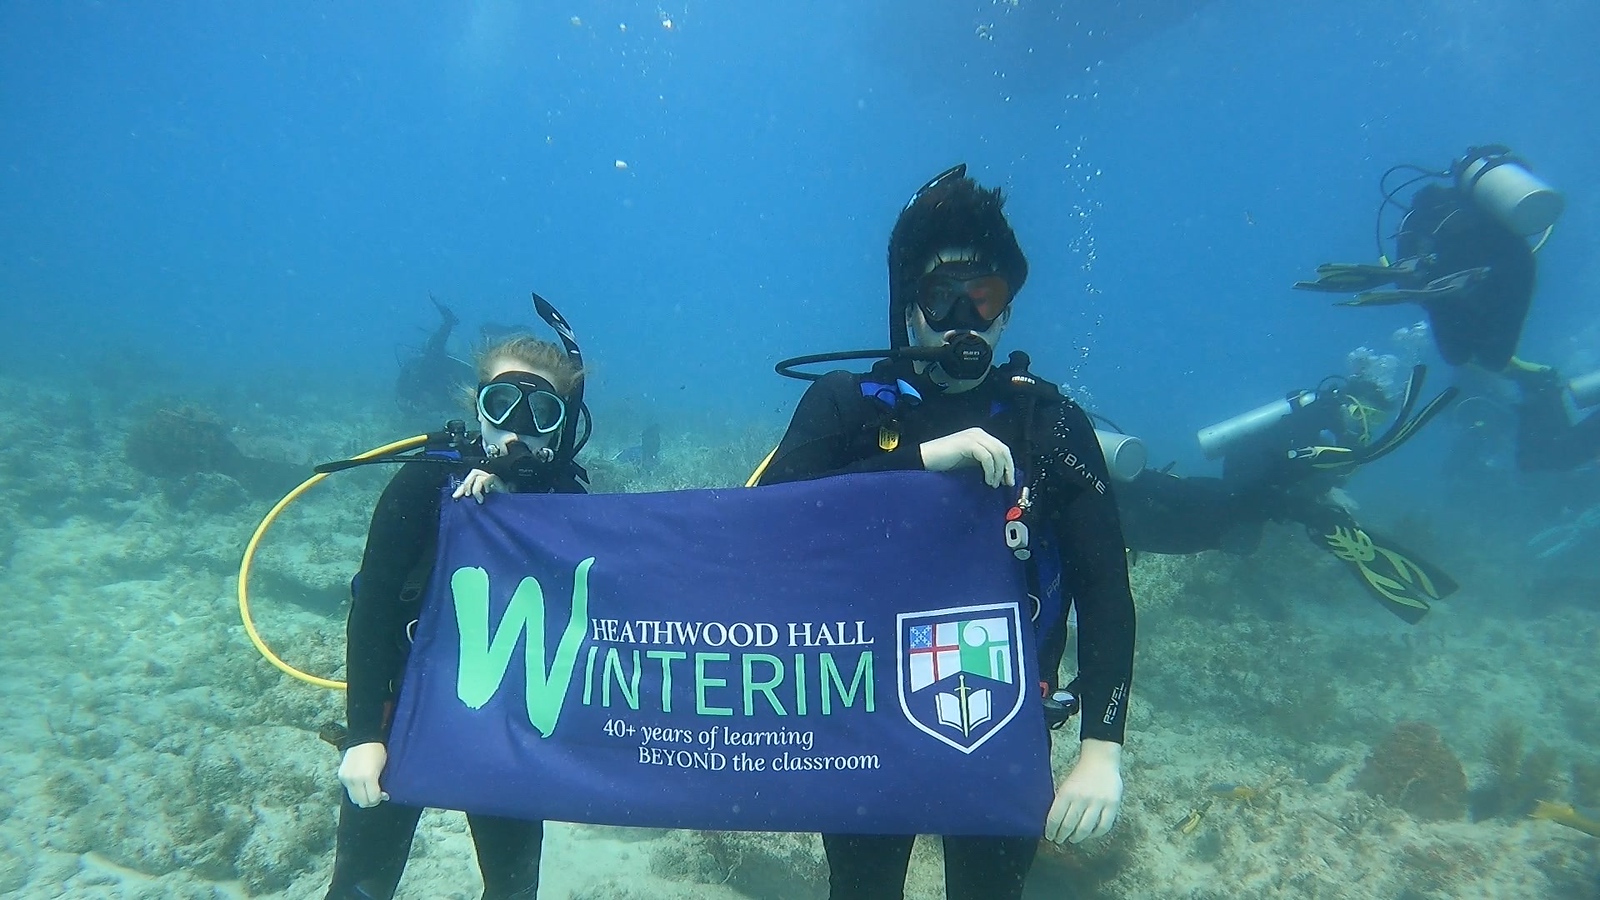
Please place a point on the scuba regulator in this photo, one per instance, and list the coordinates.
(453, 445)
(1493, 179)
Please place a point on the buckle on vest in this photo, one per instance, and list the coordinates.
(888, 437)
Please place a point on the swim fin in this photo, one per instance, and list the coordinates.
(1344, 278)
(1404, 584)
(1405, 426)
(1445, 287)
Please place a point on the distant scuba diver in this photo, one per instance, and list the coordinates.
(1547, 438)
(647, 453)
(430, 378)
(1461, 253)
(1280, 463)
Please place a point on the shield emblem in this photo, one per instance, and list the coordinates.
(961, 671)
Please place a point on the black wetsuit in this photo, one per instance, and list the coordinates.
(1483, 323)
(836, 430)
(1546, 440)
(430, 378)
(1164, 513)
(373, 844)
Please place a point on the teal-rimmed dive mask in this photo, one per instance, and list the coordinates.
(522, 403)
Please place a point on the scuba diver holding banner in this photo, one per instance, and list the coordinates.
(522, 699)
(531, 423)
(935, 402)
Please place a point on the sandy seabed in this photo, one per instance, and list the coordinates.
(149, 752)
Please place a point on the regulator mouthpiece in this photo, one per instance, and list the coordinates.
(965, 356)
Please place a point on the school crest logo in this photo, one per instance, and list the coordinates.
(960, 671)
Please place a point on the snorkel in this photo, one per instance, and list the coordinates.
(451, 446)
(509, 455)
(572, 439)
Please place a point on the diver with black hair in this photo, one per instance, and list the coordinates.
(1461, 252)
(531, 423)
(1283, 462)
(934, 401)
(430, 376)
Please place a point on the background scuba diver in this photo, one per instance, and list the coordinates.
(1461, 253)
(528, 404)
(935, 403)
(1282, 462)
(430, 378)
(1547, 438)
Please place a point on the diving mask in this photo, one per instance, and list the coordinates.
(959, 298)
(522, 403)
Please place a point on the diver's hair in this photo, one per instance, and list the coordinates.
(956, 213)
(530, 353)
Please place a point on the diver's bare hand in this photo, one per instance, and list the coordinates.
(1090, 797)
(478, 484)
(359, 771)
(971, 447)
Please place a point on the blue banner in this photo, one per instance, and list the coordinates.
(852, 654)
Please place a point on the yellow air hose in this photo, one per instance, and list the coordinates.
(255, 542)
(755, 477)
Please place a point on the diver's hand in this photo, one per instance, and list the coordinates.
(1090, 796)
(971, 447)
(478, 484)
(359, 771)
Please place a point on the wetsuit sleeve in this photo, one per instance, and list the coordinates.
(827, 436)
(404, 526)
(1094, 568)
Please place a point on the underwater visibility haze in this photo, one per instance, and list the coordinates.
(240, 240)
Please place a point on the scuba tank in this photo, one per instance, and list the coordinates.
(1125, 454)
(1585, 389)
(1501, 185)
(1216, 440)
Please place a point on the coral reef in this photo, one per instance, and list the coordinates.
(159, 757)
(1518, 776)
(181, 446)
(1586, 783)
(174, 442)
(1413, 769)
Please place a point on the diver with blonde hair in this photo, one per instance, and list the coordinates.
(528, 404)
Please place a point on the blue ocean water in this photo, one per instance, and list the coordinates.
(266, 195)
(281, 187)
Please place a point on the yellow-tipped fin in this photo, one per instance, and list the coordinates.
(1564, 814)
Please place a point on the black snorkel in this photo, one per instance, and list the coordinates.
(455, 444)
(571, 441)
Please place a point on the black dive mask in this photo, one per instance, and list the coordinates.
(960, 298)
(522, 403)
